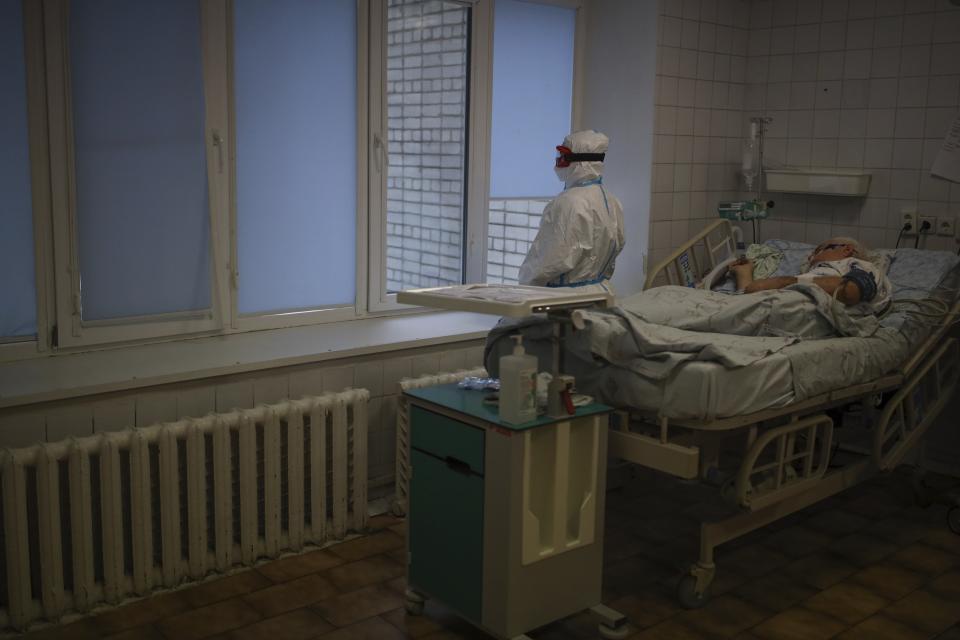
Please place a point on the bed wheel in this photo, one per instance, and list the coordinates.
(688, 596)
(953, 519)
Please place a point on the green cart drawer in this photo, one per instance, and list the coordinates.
(446, 438)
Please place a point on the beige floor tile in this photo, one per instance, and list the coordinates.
(367, 546)
(924, 610)
(821, 570)
(925, 559)
(670, 630)
(210, 620)
(882, 628)
(140, 633)
(726, 616)
(947, 587)
(836, 522)
(80, 630)
(899, 530)
(797, 541)
(142, 612)
(372, 629)
(646, 608)
(383, 521)
(799, 624)
(300, 624)
(400, 529)
(848, 602)
(889, 580)
(354, 575)
(352, 607)
(944, 539)
(951, 634)
(287, 596)
(225, 588)
(752, 560)
(862, 549)
(777, 591)
(299, 566)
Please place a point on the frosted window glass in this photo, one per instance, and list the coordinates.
(138, 119)
(18, 305)
(295, 81)
(532, 96)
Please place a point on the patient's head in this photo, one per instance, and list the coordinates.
(837, 249)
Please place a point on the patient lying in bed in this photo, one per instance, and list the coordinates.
(840, 266)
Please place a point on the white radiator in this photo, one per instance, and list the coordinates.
(403, 428)
(97, 519)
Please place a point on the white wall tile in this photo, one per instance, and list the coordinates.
(826, 123)
(918, 29)
(73, 420)
(798, 152)
(885, 62)
(834, 10)
(915, 60)
(938, 120)
(426, 364)
(907, 154)
(691, 9)
(946, 28)
(904, 184)
(807, 38)
(909, 123)
(860, 34)
(761, 14)
(856, 64)
(829, 94)
(270, 389)
(778, 96)
(683, 149)
(394, 370)
(708, 37)
(303, 382)
(823, 153)
(687, 64)
(853, 123)
(890, 7)
(862, 9)
(708, 10)
(454, 360)
(781, 68)
(690, 34)
(856, 94)
(800, 124)
(912, 92)
(832, 36)
(942, 91)
(668, 61)
(888, 32)
(196, 401)
(231, 395)
(850, 153)
(946, 59)
(154, 407)
(883, 93)
(705, 65)
(114, 414)
(22, 429)
(830, 65)
(877, 154)
(784, 12)
(684, 121)
(671, 31)
(662, 203)
(339, 378)
(782, 40)
(803, 95)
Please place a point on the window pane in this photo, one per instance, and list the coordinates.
(17, 293)
(296, 105)
(427, 101)
(138, 120)
(532, 103)
(532, 95)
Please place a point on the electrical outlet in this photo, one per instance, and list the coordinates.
(947, 225)
(908, 217)
(930, 220)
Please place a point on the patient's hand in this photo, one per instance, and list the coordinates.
(742, 271)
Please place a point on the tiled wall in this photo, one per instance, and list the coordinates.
(84, 416)
(869, 84)
(701, 76)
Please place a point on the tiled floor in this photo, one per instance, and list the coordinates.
(867, 564)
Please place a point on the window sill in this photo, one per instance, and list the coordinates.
(65, 376)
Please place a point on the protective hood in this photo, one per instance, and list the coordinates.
(583, 142)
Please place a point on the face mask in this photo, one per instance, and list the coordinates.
(563, 173)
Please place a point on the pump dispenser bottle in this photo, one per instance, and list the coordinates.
(518, 385)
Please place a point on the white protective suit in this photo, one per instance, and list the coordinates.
(581, 231)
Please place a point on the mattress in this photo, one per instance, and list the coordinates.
(704, 391)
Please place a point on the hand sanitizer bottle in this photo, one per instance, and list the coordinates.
(518, 385)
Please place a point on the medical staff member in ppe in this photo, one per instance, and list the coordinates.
(581, 231)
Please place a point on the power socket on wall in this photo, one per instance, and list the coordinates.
(909, 217)
(928, 225)
(947, 226)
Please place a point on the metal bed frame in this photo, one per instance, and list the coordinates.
(786, 464)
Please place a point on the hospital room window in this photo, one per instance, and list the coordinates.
(18, 321)
(141, 196)
(533, 71)
(427, 72)
(295, 100)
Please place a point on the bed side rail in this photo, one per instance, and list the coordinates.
(697, 257)
(785, 461)
(913, 408)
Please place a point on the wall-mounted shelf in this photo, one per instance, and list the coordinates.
(832, 182)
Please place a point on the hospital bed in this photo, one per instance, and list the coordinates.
(785, 456)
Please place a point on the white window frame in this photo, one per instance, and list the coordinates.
(72, 329)
(281, 318)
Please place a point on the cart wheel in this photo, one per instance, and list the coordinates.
(614, 633)
(688, 596)
(953, 520)
(414, 603)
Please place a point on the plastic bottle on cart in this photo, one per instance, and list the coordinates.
(518, 385)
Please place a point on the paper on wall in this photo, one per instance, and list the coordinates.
(947, 163)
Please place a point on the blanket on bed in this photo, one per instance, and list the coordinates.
(653, 332)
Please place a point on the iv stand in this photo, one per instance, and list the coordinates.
(761, 122)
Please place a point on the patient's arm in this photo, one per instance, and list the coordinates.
(848, 294)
